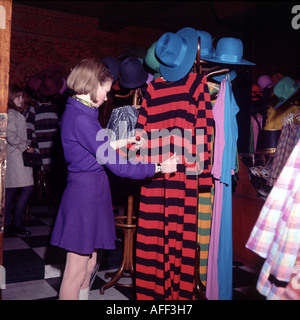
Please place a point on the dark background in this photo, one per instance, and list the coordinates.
(264, 26)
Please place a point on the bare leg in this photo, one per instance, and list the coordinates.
(77, 274)
(90, 269)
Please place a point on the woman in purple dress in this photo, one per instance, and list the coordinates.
(85, 220)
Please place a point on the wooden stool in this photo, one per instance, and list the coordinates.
(127, 268)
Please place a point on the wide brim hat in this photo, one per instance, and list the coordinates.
(229, 51)
(284, 89)
(150, 58)
(206, 47)
(176, 53)
(113, 64)
(132, 73)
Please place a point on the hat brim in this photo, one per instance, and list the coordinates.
(282, 102)
(174, 74)
(242, 62)
(219, 78)
(136, 83)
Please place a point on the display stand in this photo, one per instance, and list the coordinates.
(127, 268)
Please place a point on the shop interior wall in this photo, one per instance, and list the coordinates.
(42, 37)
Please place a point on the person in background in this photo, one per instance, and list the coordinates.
(85, 220)
(19, 179)
(46, 91)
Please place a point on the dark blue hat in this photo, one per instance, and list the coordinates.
(113, 65)
(132, 73)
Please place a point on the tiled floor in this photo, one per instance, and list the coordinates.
(34, 269)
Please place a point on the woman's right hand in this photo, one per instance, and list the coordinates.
(170, 165)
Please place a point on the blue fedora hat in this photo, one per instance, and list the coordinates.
(229, 51)
(206, 47)
(176, 53)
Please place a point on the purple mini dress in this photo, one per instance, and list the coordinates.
(85, 220)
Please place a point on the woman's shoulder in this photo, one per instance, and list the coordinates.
(14, 113)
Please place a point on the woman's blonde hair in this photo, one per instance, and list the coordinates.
(86, 76)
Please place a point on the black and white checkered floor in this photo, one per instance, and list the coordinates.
(33, 268)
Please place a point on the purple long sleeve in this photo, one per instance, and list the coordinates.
(87, 148)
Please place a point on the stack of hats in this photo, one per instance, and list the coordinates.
(176, 52)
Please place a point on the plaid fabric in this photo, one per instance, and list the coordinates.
(276, 234)
(289, 136)
(292, 291)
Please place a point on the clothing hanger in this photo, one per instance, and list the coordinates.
(215, 70)
(135, 94)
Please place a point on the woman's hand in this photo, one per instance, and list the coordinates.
(170, 165)
(137, 143)
(117, 144)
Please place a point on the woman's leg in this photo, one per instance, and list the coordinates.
(9, 197)
(90, 269)
(77, 273)
(21, 204)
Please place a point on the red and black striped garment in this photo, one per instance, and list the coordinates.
(174, 117)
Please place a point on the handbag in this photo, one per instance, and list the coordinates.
(32, 159)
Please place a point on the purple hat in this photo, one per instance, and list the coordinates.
(265, 81)
(132, 73)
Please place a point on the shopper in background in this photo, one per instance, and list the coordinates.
(19, 179)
